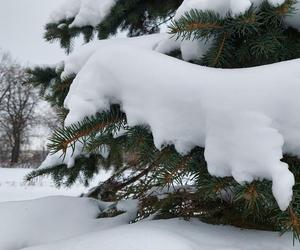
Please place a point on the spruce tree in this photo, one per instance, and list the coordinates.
(254, 38)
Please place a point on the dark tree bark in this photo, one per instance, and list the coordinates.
(15, 151)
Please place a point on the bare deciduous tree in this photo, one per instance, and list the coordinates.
(17, 104)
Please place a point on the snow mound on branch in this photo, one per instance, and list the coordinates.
(68, 9)
(245, 118)
(236, 7)
(84, 12)
(60, 158)
(93, 12)
(195, 49)
(76, 60)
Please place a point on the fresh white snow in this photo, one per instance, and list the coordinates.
(41, 221)
(195, 49)
(246, 118)
(69, 159)
(174, 234)
(92, 12)
(85, 12)
(65, 223)
(14, 188)
(236, 7)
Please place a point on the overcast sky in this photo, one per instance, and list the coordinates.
(21, 33)
(21, 30)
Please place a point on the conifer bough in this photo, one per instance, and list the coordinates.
(148, 155)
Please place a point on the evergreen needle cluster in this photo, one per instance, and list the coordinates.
(257, 37)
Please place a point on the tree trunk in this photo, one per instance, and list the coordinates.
(15, 152)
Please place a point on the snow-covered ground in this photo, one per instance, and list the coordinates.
(172, 234)
(69, 223)
(14, 188)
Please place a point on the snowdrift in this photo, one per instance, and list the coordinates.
(64, 223)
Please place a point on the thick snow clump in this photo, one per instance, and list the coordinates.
(84, 12)
(245, 118)
(92, 12)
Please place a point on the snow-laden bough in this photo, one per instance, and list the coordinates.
(245, 118)
(92, 12)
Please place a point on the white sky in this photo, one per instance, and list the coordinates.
(21, 31)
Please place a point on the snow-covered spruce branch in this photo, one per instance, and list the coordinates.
(236, 35)
(84, 168)
(246, 105)
(104, 122)
(243, 121)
